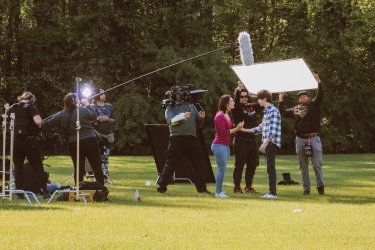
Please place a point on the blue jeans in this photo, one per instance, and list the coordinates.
(222, 154)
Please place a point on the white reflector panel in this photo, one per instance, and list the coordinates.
(279, 76)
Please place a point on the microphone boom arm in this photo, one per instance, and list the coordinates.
(150, 73)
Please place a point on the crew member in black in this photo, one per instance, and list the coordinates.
(89, 146)
(183, 140)
(26, 120)
(307, 128)
(245, 146)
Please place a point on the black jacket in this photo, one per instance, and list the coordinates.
(310, 122)
(246, 113)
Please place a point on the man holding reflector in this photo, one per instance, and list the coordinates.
(307, 128)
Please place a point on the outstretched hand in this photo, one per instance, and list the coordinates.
(239, 126)
(281, 96)
(240, 85)
(316, 76)
(85, 102)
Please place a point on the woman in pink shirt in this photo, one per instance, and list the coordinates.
(220, 145)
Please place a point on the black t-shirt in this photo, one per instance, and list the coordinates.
(24, 124)
(106, 110)
(306, 117)
(247, 113)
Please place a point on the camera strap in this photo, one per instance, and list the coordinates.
(65, 137)
(308, 148)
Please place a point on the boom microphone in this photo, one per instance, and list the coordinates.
(245, 49)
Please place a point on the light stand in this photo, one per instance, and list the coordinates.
(78, 127)
(11, 191)
(4, 127)
(11, 128)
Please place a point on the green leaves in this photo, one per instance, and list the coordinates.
(46, 44)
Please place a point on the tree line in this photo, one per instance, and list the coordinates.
(46, 44)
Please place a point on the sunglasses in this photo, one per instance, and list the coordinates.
(244, 96)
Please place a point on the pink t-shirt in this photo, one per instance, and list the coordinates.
(222, 129)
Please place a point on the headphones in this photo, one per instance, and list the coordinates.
(176, 90)
(73, 97)
(32, 99)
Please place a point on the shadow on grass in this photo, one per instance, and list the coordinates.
(21, 206)
(351, 200)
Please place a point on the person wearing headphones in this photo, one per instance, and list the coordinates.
(26, 120)
(182, 120)
(89, 146)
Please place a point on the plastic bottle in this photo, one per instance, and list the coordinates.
(136, 195)
(298, 210)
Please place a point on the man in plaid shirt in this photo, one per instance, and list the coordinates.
(271, 138)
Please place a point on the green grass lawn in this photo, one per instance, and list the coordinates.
(182, 219)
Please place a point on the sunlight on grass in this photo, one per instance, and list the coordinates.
(183, 219)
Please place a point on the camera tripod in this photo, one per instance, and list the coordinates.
(67, 181)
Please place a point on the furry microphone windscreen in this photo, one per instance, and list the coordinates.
(245, 49)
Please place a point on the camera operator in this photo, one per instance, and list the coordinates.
(182, 120)
(307, 128)
(25, 143)
(89, 146)
(245, 146)
(103, 125)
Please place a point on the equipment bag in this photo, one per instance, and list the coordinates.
(308, 148)
(101, 194)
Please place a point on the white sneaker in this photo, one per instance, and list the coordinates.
(221, 195)
(269, 196)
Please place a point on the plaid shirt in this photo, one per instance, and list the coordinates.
(270, 126)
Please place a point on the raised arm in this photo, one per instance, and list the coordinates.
(319, 96)
(288, 113)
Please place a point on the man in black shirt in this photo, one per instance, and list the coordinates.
(245, 146)
(307, 128)
(25, 143)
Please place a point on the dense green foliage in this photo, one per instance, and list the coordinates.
(45, 44)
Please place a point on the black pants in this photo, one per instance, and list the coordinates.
(245, 152)
(270, 158)
(88, 148)
(188, 145)
(29, 148)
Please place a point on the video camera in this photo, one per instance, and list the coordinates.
(186, 93)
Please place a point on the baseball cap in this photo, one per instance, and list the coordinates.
(302, 92)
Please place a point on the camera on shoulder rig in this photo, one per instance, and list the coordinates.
(187, 94)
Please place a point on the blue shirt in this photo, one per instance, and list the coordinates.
(270, 126)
